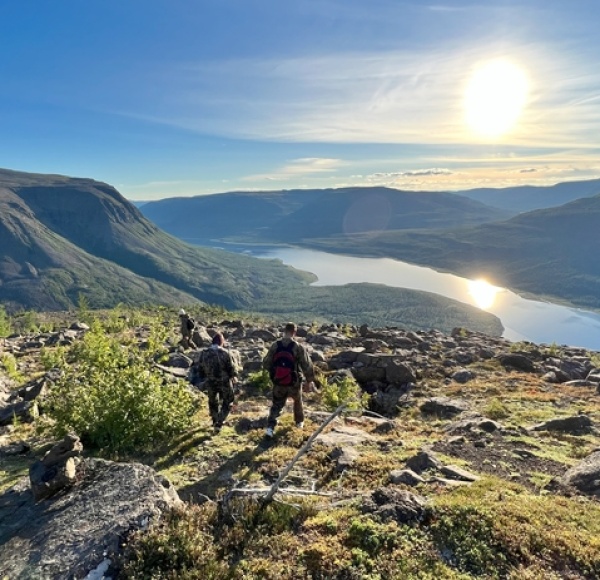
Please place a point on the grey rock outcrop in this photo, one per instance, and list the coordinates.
(575, 425)
(444, 407)
(585, 476)
(390, 504)
(73, 533)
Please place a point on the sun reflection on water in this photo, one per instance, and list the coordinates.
(483, 293)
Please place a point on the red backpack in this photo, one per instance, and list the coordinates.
(283, 369)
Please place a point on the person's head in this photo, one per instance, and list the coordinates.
(182, 312)
(289, 329)
(218, 339)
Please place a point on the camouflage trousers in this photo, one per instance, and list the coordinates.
(220, 400)
(280, 396)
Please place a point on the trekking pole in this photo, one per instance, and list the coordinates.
(269, 497)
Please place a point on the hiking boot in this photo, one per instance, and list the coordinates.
(269, 432)
(300, 424)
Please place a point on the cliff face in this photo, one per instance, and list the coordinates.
(61, 236)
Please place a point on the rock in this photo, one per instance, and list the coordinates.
(455, 472)
(73, 533)
(585, 476)
(423, 461)
(581, 383)
(473, 425)
(406, 476)
(387, 401)
(575, 425)
(178, 360)
(462, 376)
(444, 407)
(517, 361)
(344, 457)
(18, 448)
(343, 435)
(19, 409)
(390, 504)
(57, 469)
(263, 334)
(398, 373)
(79, 326)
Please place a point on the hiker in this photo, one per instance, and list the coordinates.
(219, 370)
(186, 326)
(285, 362)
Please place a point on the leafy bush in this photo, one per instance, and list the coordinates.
(179, 547)
(9, 364)
(343, 390)
(496, 409)
(110, 398)
(5, 326)
(53, 357)
(260, 381)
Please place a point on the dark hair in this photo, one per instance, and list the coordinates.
(290, 327)
(218, 339)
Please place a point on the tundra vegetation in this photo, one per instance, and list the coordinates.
(112, 390)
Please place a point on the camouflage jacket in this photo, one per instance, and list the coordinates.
(303, 362)
(215, 364)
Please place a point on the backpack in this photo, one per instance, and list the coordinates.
(190, 324)
(283, 369)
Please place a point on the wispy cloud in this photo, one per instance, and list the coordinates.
(414, 96)
(296, 168)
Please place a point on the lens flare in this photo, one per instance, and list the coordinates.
(483, 293)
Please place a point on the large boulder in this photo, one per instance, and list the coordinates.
(392, 504)
(585, 476)
(444, 406)
(73, 533)
(575, 425)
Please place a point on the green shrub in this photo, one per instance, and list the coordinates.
(343, 390)
(496, 409)
(179, 547)
(9, 364)
(5, 326)
(260, 381)
(109, 396)
(53, 357)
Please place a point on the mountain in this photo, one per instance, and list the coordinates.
(290, 216)
(528, 198)
(61, 236)
(553, 252)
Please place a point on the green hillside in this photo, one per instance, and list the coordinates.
(553, 252)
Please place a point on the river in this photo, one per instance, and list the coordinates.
(523, 319)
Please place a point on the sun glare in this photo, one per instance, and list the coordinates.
(483, 293)
(495, 97)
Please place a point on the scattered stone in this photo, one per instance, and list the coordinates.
(474, 425)
(458, 473)
(423, 461)
(575, 425)
(581, 383)
(406, 476)
(343, 435)
(390, 504)
(344, 457)
(585, 476)
(444, 407)
(517, 361)
(12, 449)
(462, 376)
(57, 469)
(178, 360)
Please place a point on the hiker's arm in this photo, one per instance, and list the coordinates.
(231, 367)
(268, 360)
(306, 364)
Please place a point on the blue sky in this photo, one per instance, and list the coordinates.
(174, 97)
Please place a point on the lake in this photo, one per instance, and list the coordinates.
(523, 319)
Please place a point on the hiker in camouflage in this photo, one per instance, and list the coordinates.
(219, 370)
(287, 382)
(186, 325)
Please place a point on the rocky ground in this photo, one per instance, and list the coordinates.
(449, 418)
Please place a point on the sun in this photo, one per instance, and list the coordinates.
(483, 293)
(495, 97)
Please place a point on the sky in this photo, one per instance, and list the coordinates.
(165, 98)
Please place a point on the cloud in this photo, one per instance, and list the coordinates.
(528, 170)
(296, 168)
(433, 171)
